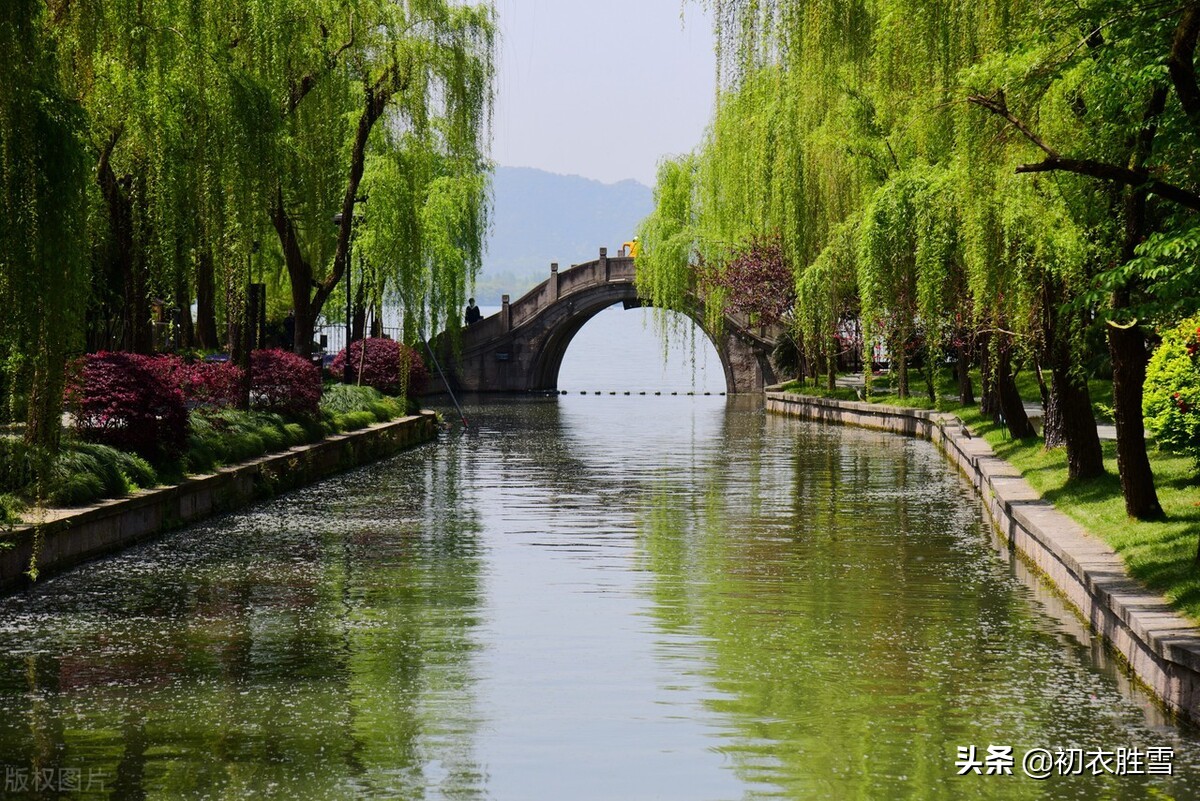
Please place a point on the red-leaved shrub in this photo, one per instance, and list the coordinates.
(210, 385)
(389, 366)
(130, 402)
(281, 381)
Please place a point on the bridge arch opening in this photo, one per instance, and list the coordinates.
(620, 349)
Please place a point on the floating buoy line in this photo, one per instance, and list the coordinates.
(629, 392)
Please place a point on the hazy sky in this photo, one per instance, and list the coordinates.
(601, 88)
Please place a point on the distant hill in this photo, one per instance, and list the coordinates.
(540, 217)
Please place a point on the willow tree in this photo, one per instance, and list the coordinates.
(857, 110)
(669, 241)
(421, 66)
(422, 234)
(216, 127)
(179, 134)
(827, 300)
(43, 267)
(1096, 104)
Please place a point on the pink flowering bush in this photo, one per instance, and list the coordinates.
(285, 383)
(130, 402)
(389, 366)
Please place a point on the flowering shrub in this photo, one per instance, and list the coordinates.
(282, 382)
(130, 402)
(757, 281)
(1171, 397)
(387, 365)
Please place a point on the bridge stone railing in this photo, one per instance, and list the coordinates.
(566, 283)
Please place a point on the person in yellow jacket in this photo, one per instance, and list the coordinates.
(632, 247)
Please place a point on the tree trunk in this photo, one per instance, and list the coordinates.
(900, 359)
(377, 320)
(1128, 351)
(1127, 347)
(1070, 420)
(1053, 434)
(123, 256)
(1085, 459)
(238, 332)
(831, 364)
(1052, 422)
(1011, 405)
(989, 401)
(184, 334)
(300, 278)
(359, 324)
(206, 311)
(929, 376)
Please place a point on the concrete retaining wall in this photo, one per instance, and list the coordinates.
(1161, 647)
(70, 536)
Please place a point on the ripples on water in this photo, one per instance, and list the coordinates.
(585, 598)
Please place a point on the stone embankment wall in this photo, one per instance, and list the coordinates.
(1161, 647)
(67, 537)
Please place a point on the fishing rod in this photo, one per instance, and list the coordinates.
(449, 390)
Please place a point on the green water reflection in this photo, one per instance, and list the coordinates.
(588, 598)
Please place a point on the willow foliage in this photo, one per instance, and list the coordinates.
(846, 115)
(43, 250)
(227, 125)
(669, 239)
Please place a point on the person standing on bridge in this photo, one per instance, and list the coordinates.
(473, 314)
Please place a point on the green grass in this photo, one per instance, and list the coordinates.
(347, 408)
(838, 393)
(946, 388)
(229, 436)
(81, 472)
(1160, 554)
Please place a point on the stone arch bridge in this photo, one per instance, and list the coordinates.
(520, 348)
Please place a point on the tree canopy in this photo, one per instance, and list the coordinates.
(1001, 181)
(169, 152)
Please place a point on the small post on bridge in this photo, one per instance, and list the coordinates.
(552, 286)
(604, 263)
(505, 314)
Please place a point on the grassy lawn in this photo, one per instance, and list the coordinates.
(883, 391)
(1160, 554)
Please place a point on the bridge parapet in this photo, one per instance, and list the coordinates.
(561, 285)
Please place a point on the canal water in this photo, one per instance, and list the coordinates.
(581, 598)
